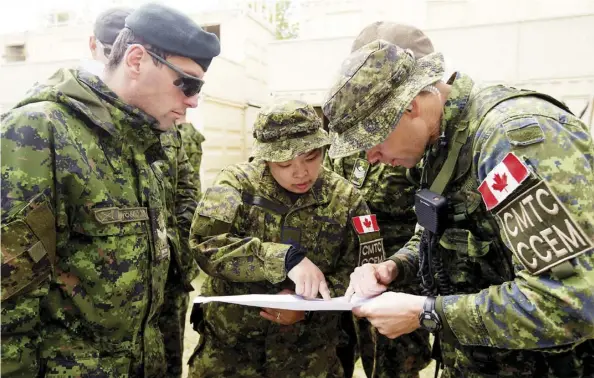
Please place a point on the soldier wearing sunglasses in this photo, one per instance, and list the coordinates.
(86, 214)
(107, 26)
(183, 173)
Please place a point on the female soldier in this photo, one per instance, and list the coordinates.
(279, 224)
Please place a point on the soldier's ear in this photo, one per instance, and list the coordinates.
(134, 59)
(413, 109)
(93, 46)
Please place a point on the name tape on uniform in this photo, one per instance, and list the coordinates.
(540, 231)
(372, 252)
(365, 224)
(503, 180)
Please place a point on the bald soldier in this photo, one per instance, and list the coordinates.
(85, 214)
(389, 193)
(504, 247)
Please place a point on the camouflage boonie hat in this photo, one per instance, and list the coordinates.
(286, 130)
(375, 85)
(405, 36)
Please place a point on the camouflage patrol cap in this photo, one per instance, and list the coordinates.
(405, 36)
(375, 85)
(287, 129)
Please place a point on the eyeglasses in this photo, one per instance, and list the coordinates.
(189, 85)
(105, 48)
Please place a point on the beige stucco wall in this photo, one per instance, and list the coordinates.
(534, 44)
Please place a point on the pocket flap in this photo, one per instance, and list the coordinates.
(464, 243)
(111, 221)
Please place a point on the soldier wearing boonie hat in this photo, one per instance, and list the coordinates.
(383, 79)
(389, 193)
(487, 152)
(287, 130)
(278, 224)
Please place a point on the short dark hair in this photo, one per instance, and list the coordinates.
(124, 39)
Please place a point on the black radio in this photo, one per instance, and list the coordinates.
(432, 210)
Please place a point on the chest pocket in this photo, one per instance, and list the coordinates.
(117, 230)
(112, 221)
(263, 218)
(28, 248)
(470, 263)
(327, 245)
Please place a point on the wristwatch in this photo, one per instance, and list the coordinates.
(429, 318)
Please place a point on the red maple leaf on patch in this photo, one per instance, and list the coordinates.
(367, 223)
(500, 182)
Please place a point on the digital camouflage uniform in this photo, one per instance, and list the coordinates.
(244, 226)
(182, 195)
(390, 196)
(192, 140)
(389, 193)
(515, 307)
(79, 187)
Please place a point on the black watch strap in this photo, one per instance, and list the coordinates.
(429, 305)
(429, 318)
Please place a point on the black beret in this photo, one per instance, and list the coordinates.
(173, 32)
(109, 23)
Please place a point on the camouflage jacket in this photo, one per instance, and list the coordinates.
(388, 193)
(506, 291)
(192, 140)
(242, 230)
(182, 194)
(79, 188)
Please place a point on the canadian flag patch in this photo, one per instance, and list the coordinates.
(365, 224)
(503, 180)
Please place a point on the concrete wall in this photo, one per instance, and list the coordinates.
(536, 44)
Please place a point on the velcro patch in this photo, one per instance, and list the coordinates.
(540, 231)
(365, 224)
(372, 252)
(220, 203)
(120, 215)
(359, 172)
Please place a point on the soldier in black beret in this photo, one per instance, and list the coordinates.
(161, 56)
(94, 174)
(107, 26)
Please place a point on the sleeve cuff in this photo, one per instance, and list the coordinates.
(446, 332)
(404, 275)
(274, 263)
(461, 320)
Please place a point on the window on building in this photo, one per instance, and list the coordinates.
(14, 53)
(216, 29)
(58, 18)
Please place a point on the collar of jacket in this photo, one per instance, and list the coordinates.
(453, 111)
(121, 120)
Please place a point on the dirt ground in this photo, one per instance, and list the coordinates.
(191, 340)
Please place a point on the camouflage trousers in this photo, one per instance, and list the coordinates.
(172, 321)
(263, 358)
(403, 357)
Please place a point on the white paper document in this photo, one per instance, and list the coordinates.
(287, 302)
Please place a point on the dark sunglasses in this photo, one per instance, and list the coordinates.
(189, 85)
(106, 48)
